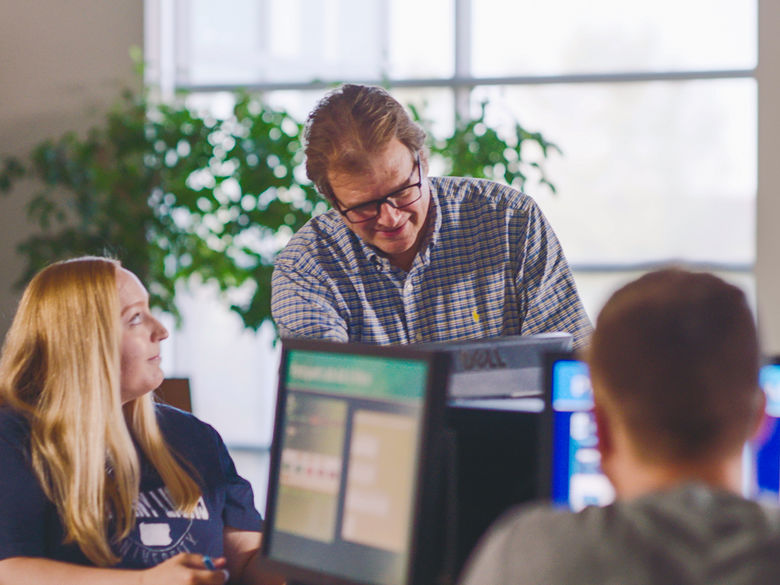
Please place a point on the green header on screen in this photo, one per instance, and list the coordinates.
(381, 378)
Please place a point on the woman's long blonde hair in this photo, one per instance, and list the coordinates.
(60, 367)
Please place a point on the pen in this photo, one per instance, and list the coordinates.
(209, 563)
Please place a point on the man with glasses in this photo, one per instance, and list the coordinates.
(403, 257)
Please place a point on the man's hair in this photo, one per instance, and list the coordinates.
(60, 368)
(675, 355)
(351, 124)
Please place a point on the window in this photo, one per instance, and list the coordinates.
(652, 103)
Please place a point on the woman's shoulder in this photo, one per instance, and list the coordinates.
(13, 425)
(14, 438)
(184, 430)
(170, 417)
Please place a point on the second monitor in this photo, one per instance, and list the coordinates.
(378, 476)
(354, 465)
(574, 463)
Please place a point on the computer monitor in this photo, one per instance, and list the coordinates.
(573, 462)
(354, 465)
(511, 366)
(765, 446)
(575, 473)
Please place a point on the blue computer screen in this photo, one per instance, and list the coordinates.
(765, 446)
(577, 480)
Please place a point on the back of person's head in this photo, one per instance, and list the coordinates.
(351, 124)
(675, 355)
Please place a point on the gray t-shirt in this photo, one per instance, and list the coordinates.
(690, 534)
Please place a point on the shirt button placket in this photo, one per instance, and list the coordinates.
(408, 299)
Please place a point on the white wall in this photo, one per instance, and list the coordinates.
(61, 62)
(768, 204)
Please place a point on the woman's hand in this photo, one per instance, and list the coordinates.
(185, 569)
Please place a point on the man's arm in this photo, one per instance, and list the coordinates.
(302, 306)
(549, 297)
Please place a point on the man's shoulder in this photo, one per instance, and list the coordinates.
(538, 528)
(536, 543)
(316, 240)
(708, 509)
(558, 523)
(480, 192)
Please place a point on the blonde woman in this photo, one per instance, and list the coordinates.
(98, 484)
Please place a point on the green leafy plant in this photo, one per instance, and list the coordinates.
(177, 194)
(476, 150)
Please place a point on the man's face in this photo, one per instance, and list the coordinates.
(395, 232)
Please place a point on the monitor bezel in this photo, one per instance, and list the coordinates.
(425, 537)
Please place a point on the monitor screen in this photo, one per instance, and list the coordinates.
(765, 447)
(576, 477)
(350, 446)
(575, 466)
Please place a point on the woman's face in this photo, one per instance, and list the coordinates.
(141, 336)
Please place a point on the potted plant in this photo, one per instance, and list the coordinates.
(177, 194)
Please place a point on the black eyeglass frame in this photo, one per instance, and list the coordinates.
(386, 199)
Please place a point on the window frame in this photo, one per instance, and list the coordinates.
(167, 48)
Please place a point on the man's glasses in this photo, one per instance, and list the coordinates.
(398, 199)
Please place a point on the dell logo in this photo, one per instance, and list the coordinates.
(481, 359)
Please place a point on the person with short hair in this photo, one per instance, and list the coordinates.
(403, 257)
(674, 362)
(96, 479)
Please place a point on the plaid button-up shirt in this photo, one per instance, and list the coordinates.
(490, 266)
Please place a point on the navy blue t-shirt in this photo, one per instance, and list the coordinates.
(30, 525)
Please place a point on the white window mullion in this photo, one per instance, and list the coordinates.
(182, 53)
(463, 23)
(383, 34)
